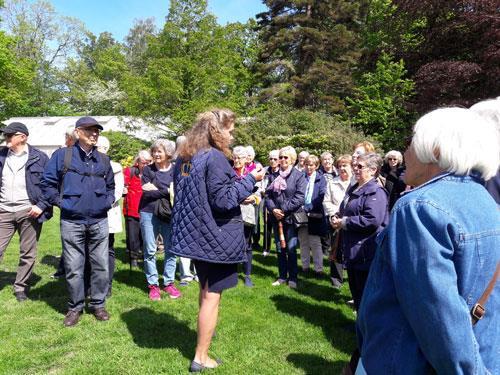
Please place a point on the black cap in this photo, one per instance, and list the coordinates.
(87, 121)
(15, 127)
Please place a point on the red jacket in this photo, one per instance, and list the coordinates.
(133, 197)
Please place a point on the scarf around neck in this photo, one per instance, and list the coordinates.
(279, 184)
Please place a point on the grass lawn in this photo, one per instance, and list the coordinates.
(262, 330)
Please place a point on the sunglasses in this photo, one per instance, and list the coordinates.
(359, 166)
(392, 159)
(274, 159)
(283, 157)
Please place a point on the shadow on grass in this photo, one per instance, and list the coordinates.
(50, 260)
(313, 364)
(321, 292)
(54, 294)
(264, 272)
(134, 278)
(150, 329)
(269, 260)
(121, 254)
(7, 279)
(332, 321)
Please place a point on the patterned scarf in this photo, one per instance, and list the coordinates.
(279, 184)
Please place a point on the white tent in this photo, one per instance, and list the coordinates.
(47, 133)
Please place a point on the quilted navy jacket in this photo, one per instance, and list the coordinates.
(206, 217)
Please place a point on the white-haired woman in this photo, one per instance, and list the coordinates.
(114, 213)
(251, 165)
(284, 196)
(301, 158)
(240, 154)
(157, 182)
(437, 257)
(393, 171)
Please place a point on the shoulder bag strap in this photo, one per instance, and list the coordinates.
(478, 310)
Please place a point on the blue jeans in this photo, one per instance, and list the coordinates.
(76, 240)
(151, 226)
(287, 258)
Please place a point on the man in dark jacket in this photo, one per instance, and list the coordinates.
(22, 207)
(80, 181)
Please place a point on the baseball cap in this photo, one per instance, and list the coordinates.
(86, 121)
(15, 127)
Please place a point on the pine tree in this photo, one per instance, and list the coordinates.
(309, 52)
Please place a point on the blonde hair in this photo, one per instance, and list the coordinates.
(290, 152)
(312, 158)
(343, 159)
(368, 146)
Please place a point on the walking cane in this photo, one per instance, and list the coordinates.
(281, 235)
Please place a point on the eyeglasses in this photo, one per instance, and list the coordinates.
(283, 157)
(359, 166)
(273, 159)
(90, 130)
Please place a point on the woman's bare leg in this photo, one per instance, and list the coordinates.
(207, 320)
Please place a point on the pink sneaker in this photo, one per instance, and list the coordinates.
(154, 292)
(172, 291)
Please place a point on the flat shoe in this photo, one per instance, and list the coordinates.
(198, 367)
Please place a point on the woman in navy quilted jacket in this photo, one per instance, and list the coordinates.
(206, 218)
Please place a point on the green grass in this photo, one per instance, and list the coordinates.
(263, 330)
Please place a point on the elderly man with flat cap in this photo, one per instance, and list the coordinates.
(79, 180)
(22, 206)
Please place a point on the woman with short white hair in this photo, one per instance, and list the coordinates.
(301, 158)
(393, 172)
(424, 295)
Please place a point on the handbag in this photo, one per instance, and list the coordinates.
(248, 214)
(300, 218)
(163, 209)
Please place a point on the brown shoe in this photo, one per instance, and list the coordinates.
(101, 314)
(72, 317)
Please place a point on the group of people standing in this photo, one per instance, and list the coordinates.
(420, 244)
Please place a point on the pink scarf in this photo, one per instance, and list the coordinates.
(279, 184)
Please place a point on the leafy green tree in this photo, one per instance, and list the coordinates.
(379, 103)
(315, 131)
(309, 52)
(123, 147)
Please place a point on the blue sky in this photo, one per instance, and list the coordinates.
(117, 16)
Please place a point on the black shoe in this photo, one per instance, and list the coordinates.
(72, 317)
(198, 367)
(21, 296)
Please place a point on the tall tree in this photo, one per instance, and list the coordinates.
(136, 43)
(309, 52)
(46, 39)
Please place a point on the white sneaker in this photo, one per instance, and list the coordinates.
(278, 282)
(292, 284)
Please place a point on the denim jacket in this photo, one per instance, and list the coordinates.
(435, 259)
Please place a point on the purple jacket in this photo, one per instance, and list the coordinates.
(366, 215)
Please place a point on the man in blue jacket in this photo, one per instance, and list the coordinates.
(80, 181)
(22, 207)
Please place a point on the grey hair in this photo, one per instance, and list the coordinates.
(303, 154)
(240, 151)
(290, 152)
(274, 153)
(71, 133)
(143, 154)
(395, 154)
(458, 140)
(372, 160)
(325, 155)
(250, 152)
(167, 145)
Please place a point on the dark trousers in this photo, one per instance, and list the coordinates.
(247, 266)
(134, 237)
(111, 258)
(81, 243)
(357, 282)
(256, 228)
(29, 233)
(269, 233)
(287, 257)
(336, 267)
